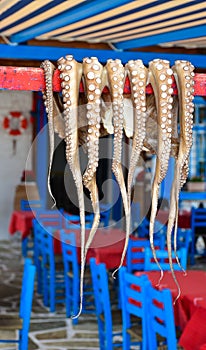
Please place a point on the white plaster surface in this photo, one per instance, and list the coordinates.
(12, 165)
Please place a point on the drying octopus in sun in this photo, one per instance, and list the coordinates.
(152, 126)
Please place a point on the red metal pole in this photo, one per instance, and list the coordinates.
(28, 78)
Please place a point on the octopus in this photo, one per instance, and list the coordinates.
(160, 78)
(152, 126)
(183, 72)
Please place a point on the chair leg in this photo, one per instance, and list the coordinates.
(24, 245)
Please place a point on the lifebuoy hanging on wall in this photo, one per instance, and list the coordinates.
(15, 123)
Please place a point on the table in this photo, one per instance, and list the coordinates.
(21, 221)
(190, 308)
(107, 245)
(184, 218)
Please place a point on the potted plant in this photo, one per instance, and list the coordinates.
(196, 184)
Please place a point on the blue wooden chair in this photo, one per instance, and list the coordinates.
(74, 220)
(103, 307)
(21, 323)
(38, 254)
(105, 210)
(28, 205)
(198, 227)
(72, 279)
(52, 271)
(135, 252)
(51, 218)
(162, 257)
(33, 204)
(134, 294)
(161, 325)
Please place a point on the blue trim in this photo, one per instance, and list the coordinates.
(86, 10)
(53, 53)
(189, 33)
(192, 196)
(42, 158)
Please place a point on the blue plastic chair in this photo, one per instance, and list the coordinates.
(72, 279)
(52, 271)
(103, 306)
(162, 257)
(134, 294)
(135, 252)
(28, 205)
(161, 325)
(23, 322)
(198, 227)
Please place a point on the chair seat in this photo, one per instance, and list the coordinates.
(8, 322)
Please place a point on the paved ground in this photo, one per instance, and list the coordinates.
(48, 330)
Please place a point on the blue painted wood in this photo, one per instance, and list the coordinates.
(192, 196)
(54, 53)
(161, 319)
(86, 10)
(134, 294)
(182, 34)
(150, 264)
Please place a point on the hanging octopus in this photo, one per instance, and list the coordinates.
(160, 77)
(153, 128)
(93, 85)
(183, 72)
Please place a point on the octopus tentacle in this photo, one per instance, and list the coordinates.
(138, 78)
(71, 72)
(93, 71)
(160, 78)
(183, 72)
(48, 68)
(116, 77)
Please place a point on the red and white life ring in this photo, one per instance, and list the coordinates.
(15, 123)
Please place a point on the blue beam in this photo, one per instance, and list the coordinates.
(41, 53)
(85, 10)
(182, 34)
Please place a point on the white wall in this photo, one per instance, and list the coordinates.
(12, 165)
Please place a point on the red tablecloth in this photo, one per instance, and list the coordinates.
(190, 308)
(106, 247)
(184, 218)
(21, 221)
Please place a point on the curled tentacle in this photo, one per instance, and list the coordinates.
(93, 71)
(138, 78)
(48, 68)
(71, 72)
(116, 78)
(160, 78)
(183, 72)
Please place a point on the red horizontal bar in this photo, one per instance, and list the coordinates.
(28, 78)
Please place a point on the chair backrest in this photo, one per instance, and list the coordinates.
(134, 294)
(135, 252)
(161, 318)
(26, 301)
(102, 303)
(198, 218)
(73, 221)
(51, 218)
(184, 237)
(105, 210)
(69, 252)
(28, 205)
(143, 229)
(162, 257)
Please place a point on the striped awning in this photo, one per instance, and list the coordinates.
(122, 24)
